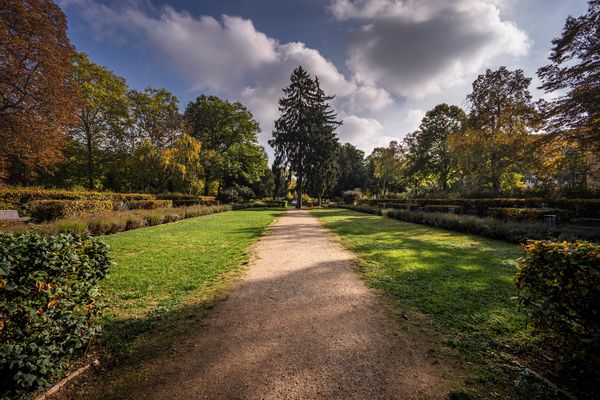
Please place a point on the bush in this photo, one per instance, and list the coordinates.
(352, 196)
(442, 208)
(48, 292)
(559, 288)
(49, 210)
(149, 204)
(511, 231)
(276, 203)
(522, 214)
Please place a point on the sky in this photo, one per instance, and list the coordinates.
(386, 61)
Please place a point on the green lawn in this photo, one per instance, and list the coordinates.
(168, 274)
(462, 283)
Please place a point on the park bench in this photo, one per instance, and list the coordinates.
(11, 216)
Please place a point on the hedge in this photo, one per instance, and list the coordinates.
(149, 204)
(276, 203)
(183, 200)
(48, 292)
(49, 210)
(18, 197)
(558, 287)
(511, 231)
(522, 214)
(442, 208)
(578, 207)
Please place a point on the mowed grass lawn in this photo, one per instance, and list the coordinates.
(167, 274)
(462, 283)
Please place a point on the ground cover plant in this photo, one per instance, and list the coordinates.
(160, 271)
(464, 284)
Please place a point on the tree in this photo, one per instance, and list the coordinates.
(183, 165)
(493, 146)
(228, 133)
(103, 114)
(304, 138)
(37, 98)
(574, 71)
(352, 171)
(385, 165)
(428, 155)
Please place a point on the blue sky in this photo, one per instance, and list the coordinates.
(387, 61)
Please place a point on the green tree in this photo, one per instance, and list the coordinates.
(574, 72)
(385, 166)
(428, 154)
(228, 133)
(304, 137)
(493, 146)
(103, 113)
(352, 169)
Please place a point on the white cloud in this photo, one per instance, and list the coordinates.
(365, 133)
(416, 48)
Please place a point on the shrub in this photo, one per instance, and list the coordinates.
(153, 219)
(522, 214)
(559, 288)
(276, 203)
(352, 196)
(442, 208)
(49, 210)
(149, 204)
(511, 231)
(48, 292)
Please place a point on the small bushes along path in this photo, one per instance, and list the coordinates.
(462, 283)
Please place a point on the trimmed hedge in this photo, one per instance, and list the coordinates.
(48, 292)
(149, 204)
(440, 208)
(49, 210)
(577, 207)
(184, 200)
(276, 203)
(522, 214)
(19, 197)
(511, 231)
(559, 288)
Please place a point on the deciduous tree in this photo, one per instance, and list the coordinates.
(37, 98)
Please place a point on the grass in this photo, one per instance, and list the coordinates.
(166, 275)
(462, 283)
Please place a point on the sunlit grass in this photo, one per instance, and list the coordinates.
(462, 283)
(161, 273)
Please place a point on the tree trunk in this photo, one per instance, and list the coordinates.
(90, 161)
(319, 200)
(206, 187)
(299, 191)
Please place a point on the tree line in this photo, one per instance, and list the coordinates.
(504, 143)
(68, 122)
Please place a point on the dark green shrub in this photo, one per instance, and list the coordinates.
(559, 288)
(442, 208)
(149, 204)
(522, 214)
(180, 199)
(276, 203)
(48, 292)
(352, 196)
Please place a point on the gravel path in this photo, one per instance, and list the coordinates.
(300, 325)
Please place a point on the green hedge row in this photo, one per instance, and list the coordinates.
(183, 200)
(48, 292)
(578, 207)
(522, 214)
(559, 288)
(19, 197)
(511, 231)
(149, 204)
(49, 210)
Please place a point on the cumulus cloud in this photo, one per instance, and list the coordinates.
(365, 133)
(416, 48)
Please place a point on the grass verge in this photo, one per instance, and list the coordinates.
(462, 283)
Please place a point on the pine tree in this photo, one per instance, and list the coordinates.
(304, 137)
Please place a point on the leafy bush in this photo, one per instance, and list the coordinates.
(442, 208)
(149, 204)
(276, 203)
(559, 288)
(511, 231)
(576, 207)
(522, 214)
(49, 210)
(48, 292)
(352, 196)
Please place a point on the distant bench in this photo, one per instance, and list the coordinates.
(11, 216)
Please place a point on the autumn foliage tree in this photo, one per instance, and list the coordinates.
(37, 99)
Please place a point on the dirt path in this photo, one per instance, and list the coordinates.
(300, 325)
